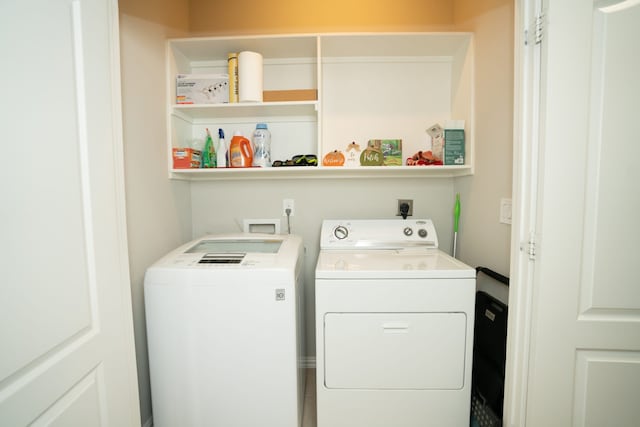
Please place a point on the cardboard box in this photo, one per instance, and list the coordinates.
(290, 95)
(454, 143)
(202, 88)
(186, 158)
(391, 150)
(436, 132)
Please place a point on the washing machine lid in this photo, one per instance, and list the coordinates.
(235, 250)
(222, 246)
(232, 251)
(390, 264)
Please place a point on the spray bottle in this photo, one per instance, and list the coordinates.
(209, 153)
(222, 150)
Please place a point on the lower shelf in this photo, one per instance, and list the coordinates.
(310, 172)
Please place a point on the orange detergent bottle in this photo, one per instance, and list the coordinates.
(240, 151)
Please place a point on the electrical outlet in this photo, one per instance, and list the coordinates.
(505, 211)
(401, 202)
(288, 204)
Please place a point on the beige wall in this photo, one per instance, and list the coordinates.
(171, 16)
(466, 11)
(162, 214)
(158, 210)
(304, 16)
(482, 239)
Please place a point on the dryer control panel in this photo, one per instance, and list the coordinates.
(378, 234)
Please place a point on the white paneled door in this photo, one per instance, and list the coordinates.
(66, 339)
(584, 353)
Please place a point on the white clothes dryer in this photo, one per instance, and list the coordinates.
(224, 332)
(394, 327)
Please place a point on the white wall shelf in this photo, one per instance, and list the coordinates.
(238, 110)
(308, 172)
(370, 86)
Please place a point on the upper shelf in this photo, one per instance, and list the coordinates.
(307, 172)
(369, 86)
(206, 48)
(205, 111)
(201, 49)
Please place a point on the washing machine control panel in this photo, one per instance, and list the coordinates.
(345, 234)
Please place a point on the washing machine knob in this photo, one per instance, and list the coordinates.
(408, 231)
(341, 232)
(422, 233)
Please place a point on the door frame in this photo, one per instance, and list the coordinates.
(526, 107)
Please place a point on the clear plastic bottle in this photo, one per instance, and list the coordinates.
(261, 146)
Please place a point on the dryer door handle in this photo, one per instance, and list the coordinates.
(395, 327)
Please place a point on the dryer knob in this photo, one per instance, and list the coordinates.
(341, 232)
(408, 231)
(422, 233)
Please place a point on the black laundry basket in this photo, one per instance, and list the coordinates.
(489, 356)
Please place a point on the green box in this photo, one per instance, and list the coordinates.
(454, 147)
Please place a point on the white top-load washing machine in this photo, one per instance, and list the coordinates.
(224, 332)
(394, 327)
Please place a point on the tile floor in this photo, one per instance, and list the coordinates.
(309, 411)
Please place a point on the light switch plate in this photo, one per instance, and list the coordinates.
(505, 211)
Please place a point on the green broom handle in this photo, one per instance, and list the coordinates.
(456, 213)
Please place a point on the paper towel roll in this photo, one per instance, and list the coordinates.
(250, 77)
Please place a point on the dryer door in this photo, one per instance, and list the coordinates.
(417, 351)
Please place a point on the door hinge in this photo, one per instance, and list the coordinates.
(531, 247)
(534, 34)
